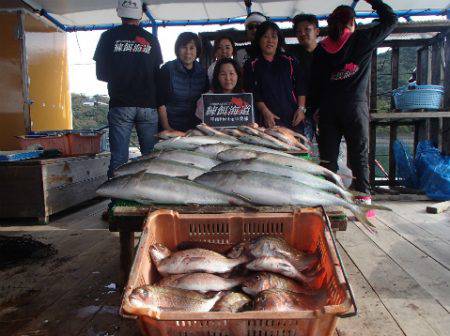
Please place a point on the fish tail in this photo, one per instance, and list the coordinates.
(360, 214)
(348, 196)
(314, 281)
(335, 178)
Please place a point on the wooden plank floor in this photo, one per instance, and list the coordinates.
(400, 276)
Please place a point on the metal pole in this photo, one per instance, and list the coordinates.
(152, 19)
(248, 6)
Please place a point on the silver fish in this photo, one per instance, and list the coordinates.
(290, 161)
(191, 261)
(159, 189)
(208, 130)
(192, 142)
(201, 282)
(256, 140)
(233, 132)
(263, 135)
(286, 171)
(268, 189)
(189, 157)
(262, 149)
(159, 166)
(212, 150)
(172, 299)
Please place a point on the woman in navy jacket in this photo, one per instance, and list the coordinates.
(340, 75)
(275, 80)
(181, 82)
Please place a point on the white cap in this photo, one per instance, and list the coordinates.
(255, 17)
(129, 9)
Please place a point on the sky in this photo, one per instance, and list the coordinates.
(81, 46)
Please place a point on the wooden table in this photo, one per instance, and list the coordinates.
(126, 220)
(39, 188)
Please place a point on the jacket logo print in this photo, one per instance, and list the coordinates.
(348, 71)
(136, 46)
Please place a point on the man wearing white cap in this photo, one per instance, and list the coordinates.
(252, 22)
(128, 59)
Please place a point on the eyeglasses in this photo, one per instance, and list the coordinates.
(252, 26)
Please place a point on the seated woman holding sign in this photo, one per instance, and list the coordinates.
(278, 86)
(226, 78)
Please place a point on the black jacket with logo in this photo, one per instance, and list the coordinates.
(343, 76)
(128, 59)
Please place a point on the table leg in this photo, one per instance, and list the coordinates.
(126, 253)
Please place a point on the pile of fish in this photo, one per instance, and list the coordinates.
(218, 169)
(278, 137)
(263, 275)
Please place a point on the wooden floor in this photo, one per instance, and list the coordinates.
(401, 277)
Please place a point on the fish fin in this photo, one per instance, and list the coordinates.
(346, 176)
(316, 280)
(361, 216)
(374, 207)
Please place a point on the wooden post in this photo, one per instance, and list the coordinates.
(126, 253)
(436, 60)
(373, 125)
(421, 128)
(393, 127)
(446, 121)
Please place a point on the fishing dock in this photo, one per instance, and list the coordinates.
(400, 276)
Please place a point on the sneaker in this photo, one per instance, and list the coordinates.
(365, 200)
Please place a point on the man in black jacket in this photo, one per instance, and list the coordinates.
(340, 75)
(128, 59)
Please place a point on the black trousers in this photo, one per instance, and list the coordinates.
(350, 120)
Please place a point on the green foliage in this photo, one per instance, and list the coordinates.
(86, 116)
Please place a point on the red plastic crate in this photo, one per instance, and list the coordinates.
(81, 144)
(59, 142)
(305, 229)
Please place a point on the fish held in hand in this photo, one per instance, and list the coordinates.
(172, 299)
(201, 282)
(192, 261)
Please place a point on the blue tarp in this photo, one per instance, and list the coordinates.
(429, 171)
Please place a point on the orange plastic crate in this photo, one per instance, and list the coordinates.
(81, 144)
(59, 142)
(305, 230)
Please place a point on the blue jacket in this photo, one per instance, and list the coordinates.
(179, 91)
